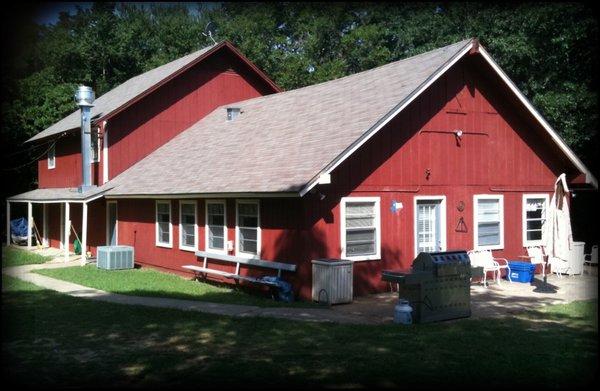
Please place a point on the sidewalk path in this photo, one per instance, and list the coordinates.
(495, 301)
(306, 314)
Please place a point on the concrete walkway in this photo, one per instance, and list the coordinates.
(496, 301)
(306, 314)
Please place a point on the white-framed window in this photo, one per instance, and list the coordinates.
(488, 224)
(247, 228)
(95, 144)
(164, 228)
(52, 157)
(216, 226)
(188, 227)
(360, 228)
(534, 217)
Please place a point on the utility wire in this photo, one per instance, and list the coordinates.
(29, 149)
(34, 160)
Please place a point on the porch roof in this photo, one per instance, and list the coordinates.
(60, 195)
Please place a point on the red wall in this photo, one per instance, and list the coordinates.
(96, 224)
(151, 122)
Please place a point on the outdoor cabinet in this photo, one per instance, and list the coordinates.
(332, 281)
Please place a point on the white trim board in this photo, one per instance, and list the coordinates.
(206, 229)
(116, 222)
(443, 222)
(182, 246)
(377, 223)
(422, 88)
(156, 236)
(525, 197)
(589, 177)
(386, 119)
(239, 253)
(500, 198)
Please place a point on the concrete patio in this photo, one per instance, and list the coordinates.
(495, 301)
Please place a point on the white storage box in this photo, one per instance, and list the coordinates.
(332, 281)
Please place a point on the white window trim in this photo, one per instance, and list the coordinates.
(181, 245)
(358, 258)
(116, 223)
(104, 153)
(97, 160)
(52, 165)
(476, 198)
(546, 197)
(237, 231)
(213, 250)
(442, 215)
(160, 244)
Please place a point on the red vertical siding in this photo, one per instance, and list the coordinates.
(502, 152)
(151, 122)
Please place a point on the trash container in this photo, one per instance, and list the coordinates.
(332, 281)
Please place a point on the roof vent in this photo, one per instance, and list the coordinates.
(232, 113)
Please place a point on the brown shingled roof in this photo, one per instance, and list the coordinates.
(280, 141)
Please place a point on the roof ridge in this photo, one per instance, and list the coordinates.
(361, 73)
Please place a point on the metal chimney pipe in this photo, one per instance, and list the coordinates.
(84, 97)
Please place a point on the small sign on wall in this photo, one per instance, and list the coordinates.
(396, 206)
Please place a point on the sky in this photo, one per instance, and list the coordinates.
(47, 13)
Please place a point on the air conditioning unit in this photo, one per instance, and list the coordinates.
(115, 257)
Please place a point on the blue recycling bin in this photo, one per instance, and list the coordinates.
(521, 271)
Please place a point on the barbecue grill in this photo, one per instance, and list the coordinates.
(437, 285)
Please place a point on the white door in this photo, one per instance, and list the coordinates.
(430, 226)
(111, 223)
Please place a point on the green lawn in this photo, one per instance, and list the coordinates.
(16, 257)
(149, 282)
(52, 340)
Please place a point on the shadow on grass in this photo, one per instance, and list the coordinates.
(51, 339)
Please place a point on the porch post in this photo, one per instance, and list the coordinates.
(45, 225)
(84, 233)
(67, 231)
(8, 223)
(29, 220)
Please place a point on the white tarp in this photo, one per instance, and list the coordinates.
(557, 235)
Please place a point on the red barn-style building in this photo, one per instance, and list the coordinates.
(438, 151)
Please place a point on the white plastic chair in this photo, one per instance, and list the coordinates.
(593, 256)
(537, 257)
(485, 259)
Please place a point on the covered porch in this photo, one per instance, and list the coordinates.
(55, 217)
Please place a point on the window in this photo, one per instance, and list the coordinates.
(52, 156)
(216, 227)
(164, 229)
(232, 113)
(360, 223)
(534, 216)
(95, 145)
(489, 222)
(247, 228)
(187, 226)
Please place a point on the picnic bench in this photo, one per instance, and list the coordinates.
(253, 262)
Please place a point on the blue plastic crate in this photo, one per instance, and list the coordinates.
(521, 271)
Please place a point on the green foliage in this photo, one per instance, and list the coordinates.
(549, 50)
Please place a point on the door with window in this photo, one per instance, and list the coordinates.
(111, 223)
(430, 226)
